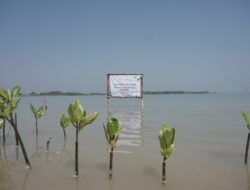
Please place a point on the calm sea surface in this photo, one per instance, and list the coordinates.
(209, 145)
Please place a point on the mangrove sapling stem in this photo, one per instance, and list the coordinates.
(17, 143)
(247, 146)
(76, 152)
(47, 144)
(111, 162)
(11, 121)
(36, 128)
(164, 171)
(4, 132)
(64, 133)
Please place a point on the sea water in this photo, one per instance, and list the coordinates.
(208, 154)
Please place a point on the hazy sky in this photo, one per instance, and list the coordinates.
(177, 44)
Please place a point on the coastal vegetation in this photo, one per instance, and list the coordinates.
(38, 113)
(112, 132)
(60, 93)
(9, 100)
(166, 138)
(64, 122)
(79, 119)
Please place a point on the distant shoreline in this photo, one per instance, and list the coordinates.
(59, 93)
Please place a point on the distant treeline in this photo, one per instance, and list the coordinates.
(176, 92)
(59, 93)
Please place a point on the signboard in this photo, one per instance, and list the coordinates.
(124, 85)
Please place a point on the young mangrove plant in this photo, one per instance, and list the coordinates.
(166, 138)
(112, 132)
(247, 120)
(8, 103)
(79, 119)
(64, 122)
(38, 113)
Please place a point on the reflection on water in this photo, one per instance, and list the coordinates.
(25, 180)
(132, 123)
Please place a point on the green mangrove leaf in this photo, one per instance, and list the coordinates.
(87, 119)
(1, 123)
(76, 111)
(113, 129)
(40, 112)
(14, 103)
(64, 121)
(172, 135)
(5, 113)
(3, 93)
(166, 139)
(15, 91)
(33, 109)
(9, 95)
(246, 118)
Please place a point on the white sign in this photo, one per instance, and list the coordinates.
(125, 86)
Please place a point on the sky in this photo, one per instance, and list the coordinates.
(177, 44)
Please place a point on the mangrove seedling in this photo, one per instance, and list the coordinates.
(112, 132)
(38, 113)
(247, 120)
(166, 138)
(64, 122)
(9, 100)
(79, 119)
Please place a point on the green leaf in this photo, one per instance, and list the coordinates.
(5, 113)
(76, 111)
(15, 91)
(166, 139)
(9, 95)
(14, 103)
(246, 118)
(113, 129)
(88, 119)
(3, 93)
(33, 109)
(40, 112)
(1, 123)
(64, 121)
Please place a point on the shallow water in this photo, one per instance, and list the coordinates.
(209, 145)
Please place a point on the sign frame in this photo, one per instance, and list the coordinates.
(123, 74)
